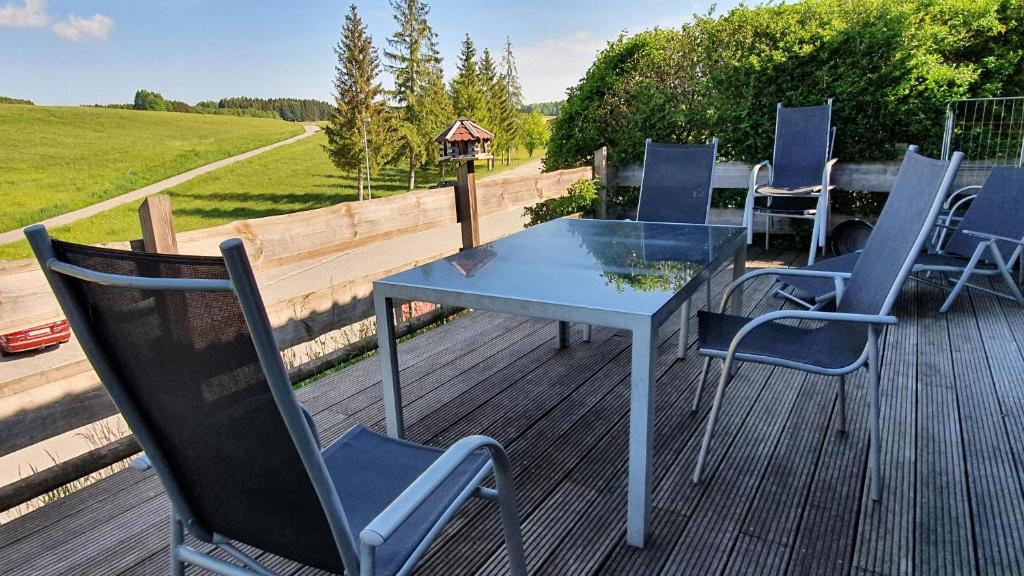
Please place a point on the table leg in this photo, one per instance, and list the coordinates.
(563, 334)
(684, 329)
(387, 347)
(739, 268)
(586, 332)
(641, 433)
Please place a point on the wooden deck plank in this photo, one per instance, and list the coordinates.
(997, 506)
(944, 539)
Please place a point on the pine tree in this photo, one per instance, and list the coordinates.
(466, 90)
(415, 62)
(513, 97)
(358, 97)
(492, 116)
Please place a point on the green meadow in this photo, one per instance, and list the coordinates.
(58, 159)
(295, 177)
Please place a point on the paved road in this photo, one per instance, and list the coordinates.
(136, 195)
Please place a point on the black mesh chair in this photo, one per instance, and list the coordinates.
(848, 337)
(184, 347)
(677, 182)
(676, 187)
(987, 241)
(799, 175)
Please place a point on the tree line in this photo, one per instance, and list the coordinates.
(290, 109)
(9, 100)
(372, 127)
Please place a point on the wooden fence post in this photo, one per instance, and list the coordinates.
(601, 174)
(158, 225)
(465, 205)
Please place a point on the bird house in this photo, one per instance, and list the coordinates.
(465, 140)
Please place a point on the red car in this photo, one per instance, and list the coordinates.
(35, 338)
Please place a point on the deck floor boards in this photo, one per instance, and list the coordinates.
(785, 492)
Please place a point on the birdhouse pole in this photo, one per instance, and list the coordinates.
(465, 205)
(462, 143)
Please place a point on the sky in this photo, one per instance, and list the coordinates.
(69, 52)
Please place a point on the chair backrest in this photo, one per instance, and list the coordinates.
(803, 144)
(677, 182)
(185, 351)
(907, 218)
(997, 209)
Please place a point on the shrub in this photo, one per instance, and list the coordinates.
(890, 65)
(581, 198)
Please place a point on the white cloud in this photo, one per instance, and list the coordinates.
(549, 67)
(30, 13)
(79, 29)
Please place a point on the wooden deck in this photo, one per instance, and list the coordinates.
(785, 493)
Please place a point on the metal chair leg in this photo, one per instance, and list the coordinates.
(710, 429)
(875, 440)
(1004, 271)
(509, 514)
(962, 281)
(842, 403)
(177, 539)
(700, 383)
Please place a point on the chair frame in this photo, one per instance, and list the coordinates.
(297, 421)
(869, 357)
(819, 233)
(954, 203)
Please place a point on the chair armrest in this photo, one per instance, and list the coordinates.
(988, 236)
(826, 175)
(838, 277)
(391, 518)
(757, 169)
(952, 198)
(804, 315)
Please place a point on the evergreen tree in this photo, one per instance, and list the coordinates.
(514, 98)
(359, 97)
(466, 89)
(415, 62)
(493, 110)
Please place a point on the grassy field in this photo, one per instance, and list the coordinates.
(291, 178)
(58, 159)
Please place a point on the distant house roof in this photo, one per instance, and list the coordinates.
(464, 130)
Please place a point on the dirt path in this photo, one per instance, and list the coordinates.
(136, 195)
(530, 168)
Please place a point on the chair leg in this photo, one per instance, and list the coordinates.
(707, 289)
(964, 277)
(509, 514)
(815, 232)
(700, 382)
(716, 405)
(586, 332)
(684, 329)
(1004, 271)
(842, 403)
(177, 539)
(875, 440)
(767, 228)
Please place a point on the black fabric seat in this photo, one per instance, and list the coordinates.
(832, 346)
(370, 470)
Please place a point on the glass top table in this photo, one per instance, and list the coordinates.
(621, 274)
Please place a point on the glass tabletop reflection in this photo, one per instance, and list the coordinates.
(632, 267)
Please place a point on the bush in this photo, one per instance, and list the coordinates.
(890, 65)
(582, 197)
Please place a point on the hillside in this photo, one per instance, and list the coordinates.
(295, 177)
(57, 159)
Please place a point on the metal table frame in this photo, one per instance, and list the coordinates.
(645, 340)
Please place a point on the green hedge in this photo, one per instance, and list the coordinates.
(890, 65)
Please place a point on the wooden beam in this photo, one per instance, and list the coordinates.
(158, 225)
(66, 472)
(601, 174)
(465, 205)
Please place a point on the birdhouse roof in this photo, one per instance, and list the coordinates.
(464, 130)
